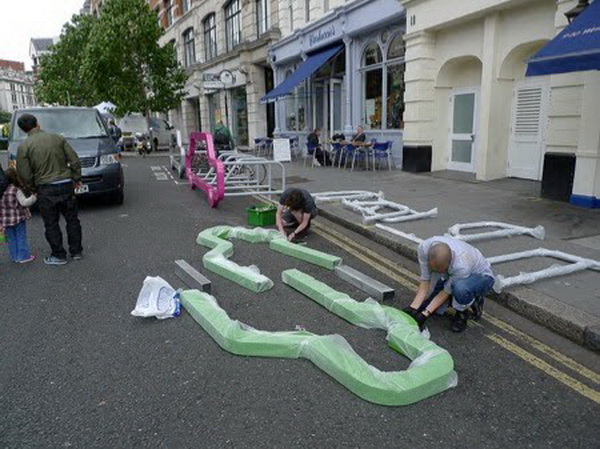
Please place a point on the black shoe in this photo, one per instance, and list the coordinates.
(459, 322)
(477, 308)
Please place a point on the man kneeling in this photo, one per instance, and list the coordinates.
(451, 270)
(295, 211)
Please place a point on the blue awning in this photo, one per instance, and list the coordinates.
(575, 49)
(304, 70)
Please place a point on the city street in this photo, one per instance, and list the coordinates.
(77, 370)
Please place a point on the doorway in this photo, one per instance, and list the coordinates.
(463, 125)
(527, 130)
(328, 101)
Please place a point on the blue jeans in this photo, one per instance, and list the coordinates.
(16, 237)
(464, 291)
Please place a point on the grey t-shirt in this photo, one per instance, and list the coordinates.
(309, 206)
(466, 260)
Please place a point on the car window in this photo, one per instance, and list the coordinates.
(133, 123)
(71, 124)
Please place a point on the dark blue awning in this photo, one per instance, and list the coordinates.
(575, 49)
(304, 70)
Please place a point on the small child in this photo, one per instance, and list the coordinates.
(14, 213)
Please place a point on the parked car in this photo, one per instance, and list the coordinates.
(86, 132)
(137, 127)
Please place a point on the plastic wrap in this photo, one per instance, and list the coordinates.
(577, 264)
(506, 230)
(330, 197)
(399, 233)
(157, 299)
(400, 212)
(217, 259)
(432, 374)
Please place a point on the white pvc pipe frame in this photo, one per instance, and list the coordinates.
(402, 213)
(577, 264)
(506, 230)
(330, 197)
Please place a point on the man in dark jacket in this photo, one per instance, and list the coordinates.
(48, 165)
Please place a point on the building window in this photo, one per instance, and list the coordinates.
(174, 47)
(263, 15)
(168, 10)
(295, 108)
(291, 10)
(210, 37)
(189, 47)
(307, 10)
(233, 26)
(186, 5)
(14, 98)
(325, 5)
(383, 85)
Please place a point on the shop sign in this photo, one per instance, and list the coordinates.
(322, 35)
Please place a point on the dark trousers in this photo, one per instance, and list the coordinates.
(54, 201)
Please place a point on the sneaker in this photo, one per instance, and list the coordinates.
(77, 256)
(54, 261)
(29, 259)
(459, 322)
(477, 308)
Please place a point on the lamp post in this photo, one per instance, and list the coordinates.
(572, 14)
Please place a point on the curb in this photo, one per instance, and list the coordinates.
(542, 309)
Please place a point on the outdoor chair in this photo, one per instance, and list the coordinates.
(357, 153)
(337, 150)
(311, 153)
(382, 150)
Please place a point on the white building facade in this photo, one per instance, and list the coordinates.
(470, 107)
(362, 84)
(16, 90)
(223, 45)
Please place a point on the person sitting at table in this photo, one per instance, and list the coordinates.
(321, 156)
(360, 136)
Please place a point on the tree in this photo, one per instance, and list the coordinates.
(125, 63)
(5, 116)
(115, 58)
(61, 79)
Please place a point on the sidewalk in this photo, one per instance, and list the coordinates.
(569, 305)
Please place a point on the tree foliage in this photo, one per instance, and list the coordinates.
(115, 58)
(5, 116)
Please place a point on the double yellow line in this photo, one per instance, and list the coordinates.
(410, 280)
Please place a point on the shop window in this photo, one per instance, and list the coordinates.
(189, 47)
(383, 85)
(240, 111)
(263, 16)
(295, 108)
(233, 26)
(210, 37)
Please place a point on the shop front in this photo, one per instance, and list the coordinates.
(343, 71)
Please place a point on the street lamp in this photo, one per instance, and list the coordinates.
(572, 14)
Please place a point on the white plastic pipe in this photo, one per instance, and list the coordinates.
(506, 230)
(399, 233)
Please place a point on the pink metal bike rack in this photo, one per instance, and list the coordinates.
(213, 185)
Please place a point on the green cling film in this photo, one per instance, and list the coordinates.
(431, 370)
(217, 259)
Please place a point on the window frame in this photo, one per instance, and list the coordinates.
(209, 26)
(189, 47)
(168, 8)
(307, 11)
(384, 65)
(263, 24)
(233, 24)
(186, 5)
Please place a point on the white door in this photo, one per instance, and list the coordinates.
(527, 130)
(463, 125)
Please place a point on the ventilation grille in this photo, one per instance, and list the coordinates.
(528, 111)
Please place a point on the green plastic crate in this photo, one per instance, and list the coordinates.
(261, 215)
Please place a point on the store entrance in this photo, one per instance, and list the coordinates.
(328, 112)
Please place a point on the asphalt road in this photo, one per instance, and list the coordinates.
(78, 371)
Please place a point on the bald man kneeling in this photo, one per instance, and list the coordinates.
(452, 272)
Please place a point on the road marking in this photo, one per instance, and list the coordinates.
(161, 176)
(393, 273)
(155, 168)
(567, 380)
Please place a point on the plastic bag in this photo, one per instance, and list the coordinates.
(157, 298)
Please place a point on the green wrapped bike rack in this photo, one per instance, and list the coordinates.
(431, 370)
(217, 260)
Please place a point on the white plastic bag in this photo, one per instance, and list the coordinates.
(157, 298)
